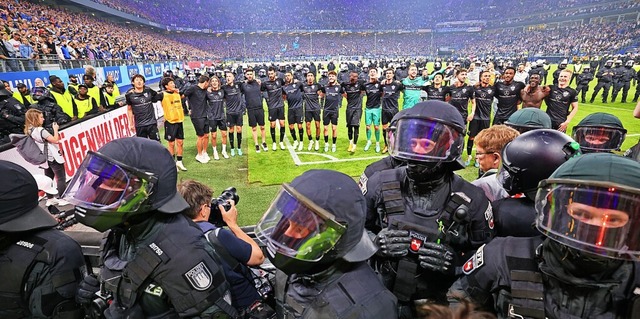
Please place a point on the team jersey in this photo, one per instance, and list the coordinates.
(333, 97)
(142, 105)
(215, 111)
(484, 98)
(391, 94)
(354, 94)
(197, 99)
(172, 107)
(460, 97)
(293, 91)
(274, 93)
(374, 92)
(233, 97)
(559, 101)
(310, 96)
(412, 90)
(434, 93)
(508, 96)
(252, 94)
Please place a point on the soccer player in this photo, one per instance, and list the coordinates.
(533, 94)
(413, 86)
(353, 89)
(390, 94)
(140, 112)
(216, 117)
(293, 94)
(372, 111)
(436, 91)
(235, 108)
(312, 91)
(173, 118)
(275, 104)
(461, 94)
(508, 95)
(480, 115)
(196, 96)
(561, 98)
(255, 112)
(333, 94)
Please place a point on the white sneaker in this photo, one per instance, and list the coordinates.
(300, 146)
(181, 166)
(333, 148)
(310, 145)
(265, 147)
(51, 201)
(353, 148)
(282, 146)
(274, 146)
(224, 154)
(62, 202)
(295, 144)
(326, 147)
(206, 156)
(215, 155)
(377, 147)
(368, 145)
(317, 147)
(201, 159)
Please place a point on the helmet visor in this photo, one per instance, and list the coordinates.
(104, 184)
(599, 138)
(591, 216)
(297, 228)
(38, 91)
(423, 140)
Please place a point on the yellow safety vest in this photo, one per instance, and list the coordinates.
(65, 100)
(94, 92)
(172, 107)
(84, 106)
(26, 100)
(111, 99)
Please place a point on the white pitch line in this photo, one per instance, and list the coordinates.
(298, 162)
(632, 135)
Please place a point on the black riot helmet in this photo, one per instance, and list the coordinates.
(40, 93)
(124, 179)
(167, 74)
(429, 137)
(599, 132)
(532, 157)
(314, 222)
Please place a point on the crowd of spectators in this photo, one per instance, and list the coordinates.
(33, 31)
(249, 15)
(586, 39)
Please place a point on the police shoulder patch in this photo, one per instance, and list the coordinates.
(154, 290)
(488, 215)
(199, 277)
(363, 183)
(475, 262)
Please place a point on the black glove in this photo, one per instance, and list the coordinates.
(393, 242)
(87, 290)
(437, 257)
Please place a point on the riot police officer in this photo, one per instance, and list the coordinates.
(155, 261)
(528, 119)
(605, 77)
(599, 132)
(40, 266)
(315, 236)
(583, 80)
(586, 267)
(423, 216)
(556, 73)
(11, 115)
(625, 75)
(528, 159)
(47, 105)
(618, 73)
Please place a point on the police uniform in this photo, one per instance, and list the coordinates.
(514, 217)
(583, 80)
(11, 115)
(624, 83)
(519, 278)
(605, 77)
(40, 267)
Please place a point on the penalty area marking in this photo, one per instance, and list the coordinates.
(331, 159)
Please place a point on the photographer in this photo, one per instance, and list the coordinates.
(243, 251)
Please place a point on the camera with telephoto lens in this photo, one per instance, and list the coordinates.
(216, 215)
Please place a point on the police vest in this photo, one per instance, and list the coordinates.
(84, 106)
(168, 264)
(450, 224)
(528, 293)
(19, 260)
(357, 293)
(65, 100)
